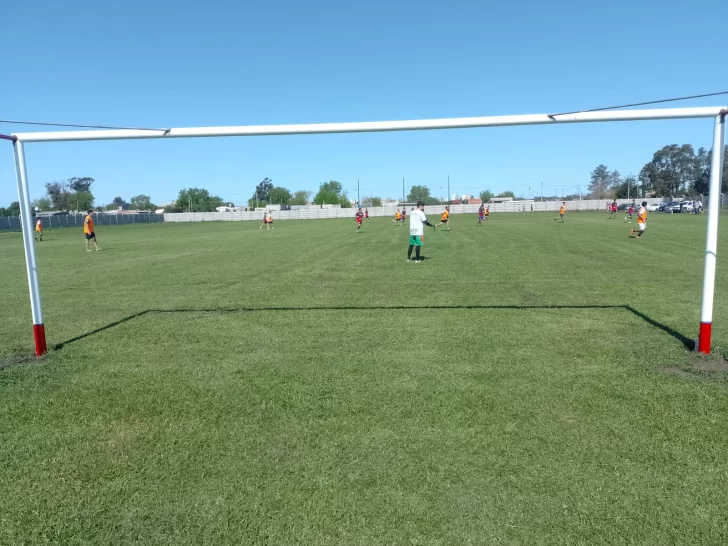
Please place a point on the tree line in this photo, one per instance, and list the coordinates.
(674, 170)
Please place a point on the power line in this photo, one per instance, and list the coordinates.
(641, 103)
(76, 125)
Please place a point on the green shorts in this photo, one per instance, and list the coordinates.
(416, 240)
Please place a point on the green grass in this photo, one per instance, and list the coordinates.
(214, 383)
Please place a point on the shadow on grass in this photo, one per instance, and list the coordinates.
(687, 342)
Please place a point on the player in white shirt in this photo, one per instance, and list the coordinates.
(418, 221)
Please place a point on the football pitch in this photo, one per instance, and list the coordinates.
(215, 383)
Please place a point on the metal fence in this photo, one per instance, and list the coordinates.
(12, 223)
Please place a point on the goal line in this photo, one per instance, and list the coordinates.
(717, 113)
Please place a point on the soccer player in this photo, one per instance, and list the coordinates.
(404, 215)
(359, 218)
(270, 221)
(39, 230)
(562, 212)
(630, 212)
(397, 217)
(417, 231)
(445, 218)
(481, 215)
(265, 221)
(88, 230)
(487, 213)
(366, 214)
(641, 221)
(613, 211)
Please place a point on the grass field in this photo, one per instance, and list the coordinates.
(214, 383)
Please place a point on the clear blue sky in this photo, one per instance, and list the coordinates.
(182, 63)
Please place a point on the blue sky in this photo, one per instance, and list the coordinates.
(183, 63)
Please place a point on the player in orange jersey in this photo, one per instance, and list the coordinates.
(88, 230)
(641, 221)
(562, 212)
(445, 218)
(39, 230)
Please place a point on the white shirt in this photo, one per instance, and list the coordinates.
(417, 222)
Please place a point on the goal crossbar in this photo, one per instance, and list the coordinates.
(373, 126)
(718, 113)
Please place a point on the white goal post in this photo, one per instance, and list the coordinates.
(718, 113)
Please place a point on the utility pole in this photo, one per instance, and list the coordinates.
(448, 189)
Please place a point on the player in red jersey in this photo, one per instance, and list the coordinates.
(359, 217)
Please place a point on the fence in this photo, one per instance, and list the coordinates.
(12, 223)
(315, 213)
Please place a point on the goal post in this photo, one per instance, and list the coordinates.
(717, 113)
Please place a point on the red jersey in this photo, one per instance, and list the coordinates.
(359, 217)
(614, 208)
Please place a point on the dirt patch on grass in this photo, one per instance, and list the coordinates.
(711, 367)
(25, 360)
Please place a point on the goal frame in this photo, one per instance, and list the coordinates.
(717, 113)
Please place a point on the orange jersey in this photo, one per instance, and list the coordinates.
(562, 210)
(642, 216)
(445, 216)
(397, 216)
(39, 226)
(88, 225)
(487, 211)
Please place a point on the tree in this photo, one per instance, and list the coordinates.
(601, 179)
(627, 188)
(80, 184)
(376, 202)
(58, 194)
(44, 203)
(701, 184)
(486, 196)
(262, 190)
(279, 195)
(507, 194)
(12, 210)
(81, 200)
(142, 202)
(330, 193)
(673, 170)
(301, 197)
(421, 193)
(118, 201)
(197, 200)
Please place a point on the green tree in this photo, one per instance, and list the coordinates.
(300, 197)
(58, 194)
(44, 203)
(376, 202)
(601, 179)
(80, 184)
(507, 194)
(701, 184)
(486, 196)
(330, 193)
(12, 210)
(280, 196)
(141, 202)
(627, 188)
(118, 202)
(81, 200)
(674, 169)
(421, 193)
(197, 200)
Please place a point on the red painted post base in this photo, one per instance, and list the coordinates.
(40, 340)
(704, 337)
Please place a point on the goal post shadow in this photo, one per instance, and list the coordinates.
(688, 343)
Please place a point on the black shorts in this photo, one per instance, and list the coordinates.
(90, 236)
